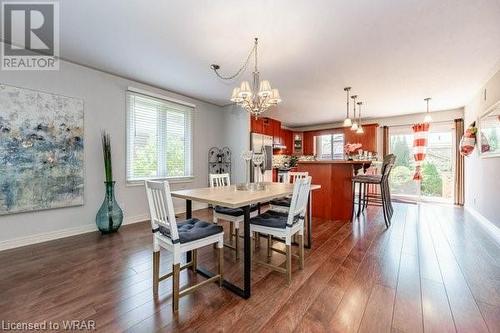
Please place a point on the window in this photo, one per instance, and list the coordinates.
(438, 169)
(330, 146)
(159, 138)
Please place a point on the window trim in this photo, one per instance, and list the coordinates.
(173, 180)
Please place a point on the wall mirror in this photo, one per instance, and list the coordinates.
(489, 132)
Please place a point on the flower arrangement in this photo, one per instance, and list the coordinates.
(351, 148)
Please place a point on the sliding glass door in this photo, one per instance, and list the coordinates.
(437, 170)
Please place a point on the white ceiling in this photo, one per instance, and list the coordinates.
(393, 53)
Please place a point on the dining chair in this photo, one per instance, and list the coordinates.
(284, 226)
(284, 203)
(381, 180)
(234, 216)
(178, 238)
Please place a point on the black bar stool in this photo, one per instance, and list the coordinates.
(365, 198)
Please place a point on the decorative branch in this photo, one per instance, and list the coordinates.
(106, 150)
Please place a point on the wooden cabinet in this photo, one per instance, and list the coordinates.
(297, 143)
(256, 125)
(368, 139)
(277, 132)
(289, 142)
(267, 126)
(308, 143)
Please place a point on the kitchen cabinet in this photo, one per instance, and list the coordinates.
(277, 132)
(308, 143)
(256, 125)
(267, 126)
(368, 139)
(297, 143)
(289, 142)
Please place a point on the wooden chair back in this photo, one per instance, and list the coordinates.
(297, 175)
(218, 180)
(161, 207)
(298, 203)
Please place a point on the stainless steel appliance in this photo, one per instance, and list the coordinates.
(262, 144)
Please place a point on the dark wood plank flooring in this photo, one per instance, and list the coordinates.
(434, 270)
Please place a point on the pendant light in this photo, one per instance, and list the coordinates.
(354, 126)
(347, 121)
(360, 129)
(427, 118)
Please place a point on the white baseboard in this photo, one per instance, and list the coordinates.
(52, 235)
(492, 229)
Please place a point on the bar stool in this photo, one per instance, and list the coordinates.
(382, 180)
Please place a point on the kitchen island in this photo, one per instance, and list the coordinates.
(334, 199)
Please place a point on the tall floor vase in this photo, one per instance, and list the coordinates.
(110, 216)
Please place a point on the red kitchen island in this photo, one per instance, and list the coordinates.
(334, 200)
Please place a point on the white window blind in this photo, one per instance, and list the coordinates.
(330, 146)
(159, 138)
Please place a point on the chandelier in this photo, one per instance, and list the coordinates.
(257, 97)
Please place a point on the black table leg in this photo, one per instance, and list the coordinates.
(247, 247)
(309, 222)
(189, 215)
(245, 292)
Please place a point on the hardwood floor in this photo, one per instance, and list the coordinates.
(434, 270)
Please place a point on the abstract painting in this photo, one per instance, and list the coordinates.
(41, 150)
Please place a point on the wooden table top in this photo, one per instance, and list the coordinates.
(229, 196)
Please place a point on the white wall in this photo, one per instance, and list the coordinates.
(104, 98)
(482, 181)
(237, 137)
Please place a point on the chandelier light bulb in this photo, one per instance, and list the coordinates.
(354, 126)
(245, 90)
(347, 122)
(427, 118)
(275, 97)
(360, 130)
(265, 88)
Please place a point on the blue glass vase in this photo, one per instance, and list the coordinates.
(110, 216)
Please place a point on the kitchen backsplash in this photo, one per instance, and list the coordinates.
(279, 161)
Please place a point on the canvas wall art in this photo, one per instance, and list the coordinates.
(41, 150)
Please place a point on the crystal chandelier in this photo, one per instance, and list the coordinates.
(247, 96)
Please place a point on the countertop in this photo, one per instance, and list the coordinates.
(335, 162)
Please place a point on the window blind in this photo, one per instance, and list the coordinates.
(330, 146)
(159, 138)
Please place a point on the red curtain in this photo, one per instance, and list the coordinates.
(419, 147)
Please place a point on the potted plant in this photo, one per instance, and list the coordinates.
(110, 216)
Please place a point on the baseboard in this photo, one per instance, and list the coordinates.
(52, 235)
(492, 229)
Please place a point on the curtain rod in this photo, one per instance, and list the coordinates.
(433, 122)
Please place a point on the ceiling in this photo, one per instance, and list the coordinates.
(393, 53)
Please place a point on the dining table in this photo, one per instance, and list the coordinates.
(235, 197)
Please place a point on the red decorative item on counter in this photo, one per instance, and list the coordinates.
(468, 141)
